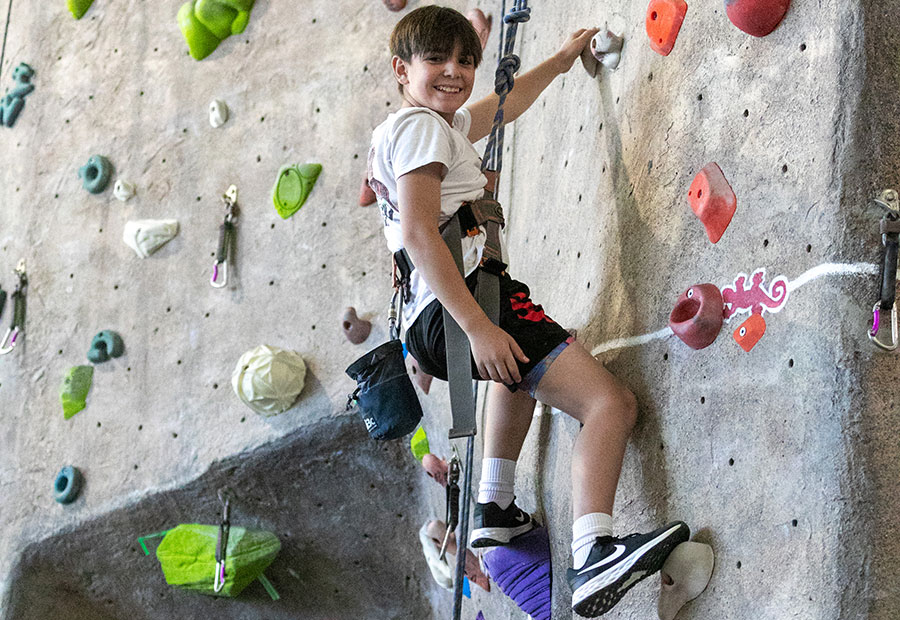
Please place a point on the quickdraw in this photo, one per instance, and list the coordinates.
(452, 517)
(226, 239)
(222, 539)
(17, 325)
(889, 227)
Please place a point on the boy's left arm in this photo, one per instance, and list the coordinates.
(527, 86)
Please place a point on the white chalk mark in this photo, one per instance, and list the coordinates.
(633, 341)
(832, 269)
(825, 269)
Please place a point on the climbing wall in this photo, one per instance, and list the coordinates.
(781, 457)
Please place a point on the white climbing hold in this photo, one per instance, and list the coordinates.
(268, 379)
(146, 236)
(123, 190)
(685, 574)
(605, 48)
(218, 113)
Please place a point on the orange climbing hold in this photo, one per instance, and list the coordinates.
(750, 332)
(712, 200)
(663, 22)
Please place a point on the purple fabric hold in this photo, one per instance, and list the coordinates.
(522, 570)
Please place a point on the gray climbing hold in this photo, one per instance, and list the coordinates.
(105, 345)
(146, 236)
(95, 174)
(218, 113)
(123, 190)
(685, 574)
(67, 485)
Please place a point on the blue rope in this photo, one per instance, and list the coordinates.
(503, 83)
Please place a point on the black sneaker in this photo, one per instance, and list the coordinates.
(614, 565)
(494, 526)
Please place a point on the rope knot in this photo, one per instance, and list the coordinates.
(517, 17)
(505, 76)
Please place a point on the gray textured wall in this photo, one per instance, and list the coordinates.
(782, 458)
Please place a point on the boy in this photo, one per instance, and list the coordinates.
(423, 167)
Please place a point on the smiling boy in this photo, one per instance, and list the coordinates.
(423, 169)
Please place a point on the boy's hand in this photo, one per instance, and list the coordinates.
(573, 47)
(495, 353)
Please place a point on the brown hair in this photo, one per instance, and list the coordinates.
(434, 29)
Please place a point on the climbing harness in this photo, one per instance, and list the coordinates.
(226, 239)
(222, 539)
(452, 517)
(889, 227)
(17, 326)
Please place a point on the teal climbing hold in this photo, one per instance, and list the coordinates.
(293, 187)
(206, 23)
(67, 485)
(14, 100)
(105, 345)
(75, 388)
(95, 174)
(79, 7)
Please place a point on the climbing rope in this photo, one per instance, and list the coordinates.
(5, 34)
(504, 80)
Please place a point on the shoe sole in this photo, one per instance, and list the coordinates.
(496, 536)
(601, 593)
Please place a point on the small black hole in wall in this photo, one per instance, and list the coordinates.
(794, 522)
(135, 466)
(71, 275)
(578, 255)
(387, 103)
(272, 226)
(746, 113)
(808, 249)
(258, 158)
(702, 400)
(589, 285)
(765, 243)
(60, 351)
(324, 265)
(98, 424)
(784, 168)
(243, 419)
(199, 198)
(178, 362)
(803, 47)
(650, 77)
(790, 363)
(665, 357)
(163, 161)
(324, 224)
(356, 156)
(262, 119)
(271, 282)
(731, 462)
(206, 316)
(579, 197)
(317, 110)
(314, 20)
(128, 369)
(168, 309)
(140, 427)
(365, 68)
(739, 564)
(557, 252)
(364, 273)
(116, 287)
(580, 128)
(566, 163)
(56, 195)
(101, 230)
(215, 386)
(700, 97)
(141, 94)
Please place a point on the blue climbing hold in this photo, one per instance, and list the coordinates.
(105, 345)
(95, 174)
(67, 485)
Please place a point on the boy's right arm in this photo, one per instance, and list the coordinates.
(494, 350)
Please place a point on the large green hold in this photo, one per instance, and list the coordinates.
(293, 187)
(75, 388)
(79, 7)
(206, 23)
(187, 556)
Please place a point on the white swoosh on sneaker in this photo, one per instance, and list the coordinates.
(520, 518)
(620, 549)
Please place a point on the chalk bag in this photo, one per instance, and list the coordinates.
(385, 395)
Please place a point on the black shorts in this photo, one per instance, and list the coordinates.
(539, 336)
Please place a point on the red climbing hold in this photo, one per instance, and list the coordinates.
(663, 22)
(697, 316)
(355, 329)
(395, 5)
(756, 17)
(712, 200)
(750, 332)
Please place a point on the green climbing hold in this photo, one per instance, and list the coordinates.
(419, 444)
(187, 556)
(206, 23)
(75, 388)
(79, 7)
(105, 345)
(293, 187)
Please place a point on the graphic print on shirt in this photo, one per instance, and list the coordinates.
(525, 309)
(382, 195)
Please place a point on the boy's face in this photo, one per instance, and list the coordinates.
(436, 81)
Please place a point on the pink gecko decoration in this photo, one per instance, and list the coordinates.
(756, 299)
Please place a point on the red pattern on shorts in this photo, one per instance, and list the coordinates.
(525, 309)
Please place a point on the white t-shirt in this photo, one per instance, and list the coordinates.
(411, 138)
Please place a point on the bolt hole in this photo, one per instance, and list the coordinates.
(784, 168)
(790, 363)
(739, 564)
(700, 97)
(803, 47)
(702, 400)
(746, 113)
(808, 249)
(731, 462)
(794, 522)
(653, 16)
(765, 243)
(665, 357)
(215, 386)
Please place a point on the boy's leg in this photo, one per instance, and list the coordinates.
(605, 567)
(507, 419)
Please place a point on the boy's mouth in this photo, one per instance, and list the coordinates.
(448, 89)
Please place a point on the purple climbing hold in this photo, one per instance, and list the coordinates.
(480, 616)
(522, 570)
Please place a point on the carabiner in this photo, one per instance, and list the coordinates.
(226, 231)
(452, 502)
(17, 325)
(222, 540)
(876, 320)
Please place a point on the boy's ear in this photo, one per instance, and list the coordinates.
(401, 71)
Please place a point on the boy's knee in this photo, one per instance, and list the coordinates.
(628, 408)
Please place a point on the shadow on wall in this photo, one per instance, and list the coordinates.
(342, 505)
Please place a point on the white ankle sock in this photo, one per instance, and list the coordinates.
(498, 477)
(585, 529)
